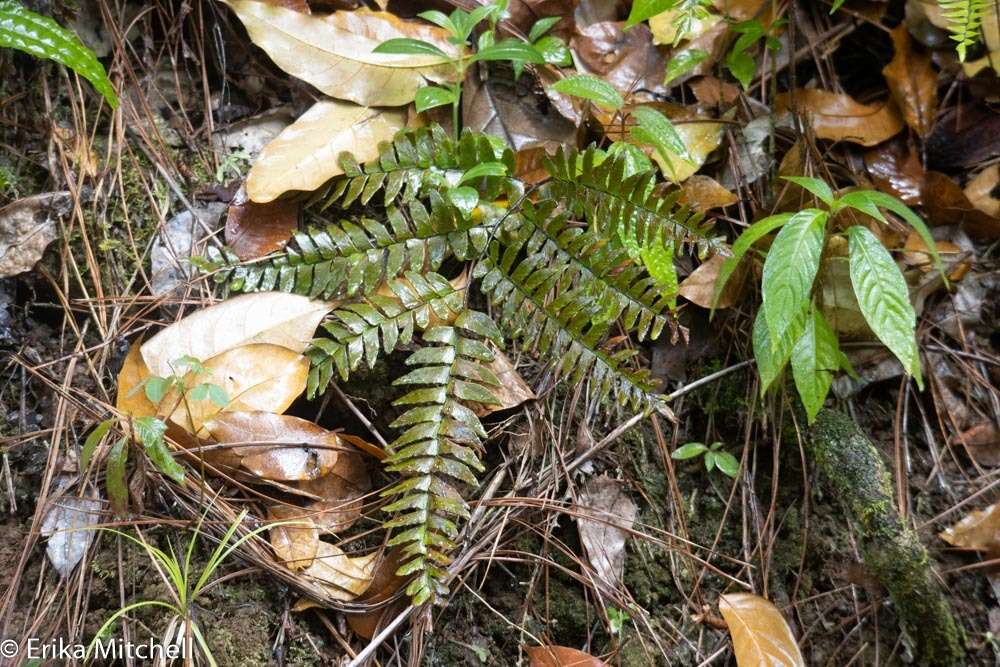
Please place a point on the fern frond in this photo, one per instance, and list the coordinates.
(439, 447)
(378, 324)
(610, 202)
(357, 256)
(965, 21)
(416, 162)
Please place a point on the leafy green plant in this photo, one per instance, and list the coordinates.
(739, 60)
(790, 326)
(712, 455)
(965, 21)
(42, 37)
(687, 12)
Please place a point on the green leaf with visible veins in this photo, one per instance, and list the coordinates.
(590, 88)
(772, 359)
(151, 431)
(790, 269)
(884, 298)
(815, 358)
(751, 235)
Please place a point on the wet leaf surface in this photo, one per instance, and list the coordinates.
(254, 230)
(912, 82)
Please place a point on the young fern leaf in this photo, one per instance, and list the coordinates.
(965, 21)
(378, 324)
(439, 447)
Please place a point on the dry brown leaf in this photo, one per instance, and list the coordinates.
(255, 377)
(296, 541)
(27, 227)
(529, 163)
(700, 137)
(983, 191)
(912, 82)
(288, 320)
(305, 155)
(254, 230)
(977, 531)
(945, 203)
(917, 255)
(627, 59)
(513, 390)
(343, 576)
(897, 171)
(385, 584)
(334, 52)
(759, 631)
(523, 14)
(605, 516)
(131, 399)
(966, 135)
(699, 286)
(839, 117)
(274, 459)
(703, 193)
(710, 91)
(561, 656)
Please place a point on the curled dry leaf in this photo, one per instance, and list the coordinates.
(561, 656)
(334, 52)
(27, 227)
(606, 515)
(343, 576)
(131, 399)
(703, 193)
(296, 541)
(259, 376)
(977, 531)
(912, 82)
(254, 230)
(759, 631)
(839, 117)
(305, 155)
(513, 390)
(288, 320)
(699, 286)
(983, 191)
(314, 453)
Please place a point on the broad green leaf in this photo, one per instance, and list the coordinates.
(156, 388)
(814, 185)
(433, 96)
(772, 359)
(644, 9)
(405, 46)
(709, 461)
(554, 51)
(884, 298)
(658, 258)
(483, 169)
(751, 235)
(542, 26)
(114, 476)
(439, 19)
(727, 463)
(511, 49)
(689, 451)
(790, 269)
(683, 63)
(656, 129)
(633, 158)
(590, 88)
(815, 358)
(742, 66)
(42, 37)
(150, 431)
(464, 198)
(90, 444)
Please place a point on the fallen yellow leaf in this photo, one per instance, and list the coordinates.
(344, 577)
(759, 631)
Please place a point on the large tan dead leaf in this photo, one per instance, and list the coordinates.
(699, 286)
(27, 227)
(627, 59)
(255, 377)
(344, 577)
(288, 320)
(304, 156)
(296, 541)
(131, 399)
(606, 516)
(984, 191)
(334, 52)
(760, 634)
(912, 82)
(703, 193)
(977, 531)
(513, 390)
(840, 118)
(273, 458)
(561, 656)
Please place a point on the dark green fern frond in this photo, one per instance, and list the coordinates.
(557, 321)
(588, 259)
(357, 256)
(416, 162)
(610, 202)
(439, 447)
(965, 22)
(378, 323)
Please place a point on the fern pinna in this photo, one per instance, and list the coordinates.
(965, 21)
(567, 269)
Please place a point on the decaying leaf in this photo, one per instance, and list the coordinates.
(343, 576)
(836, 297)
(945, 203)
(342, 491)
(288, 320)
(916, 254)
(296, 541)
(254, 230)
(27, 227)
(334, 52)
(606, 516)
(255, 377)
(983, 191)
(69, 525)
(627, 59)
(759, 631)
(699, 286)
(291, 449)
(839, 117)
(131, 399)
(897, 171)
(385, 584)
(912, 82)
(561, 656)
(304, 156)
(513, 390)
(703, 193)
(977, 531)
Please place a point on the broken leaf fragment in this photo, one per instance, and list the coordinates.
(699, 286)
(759, 631)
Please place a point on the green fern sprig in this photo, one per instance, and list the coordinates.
(439, 447)
(378, 324)
(965, 21)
